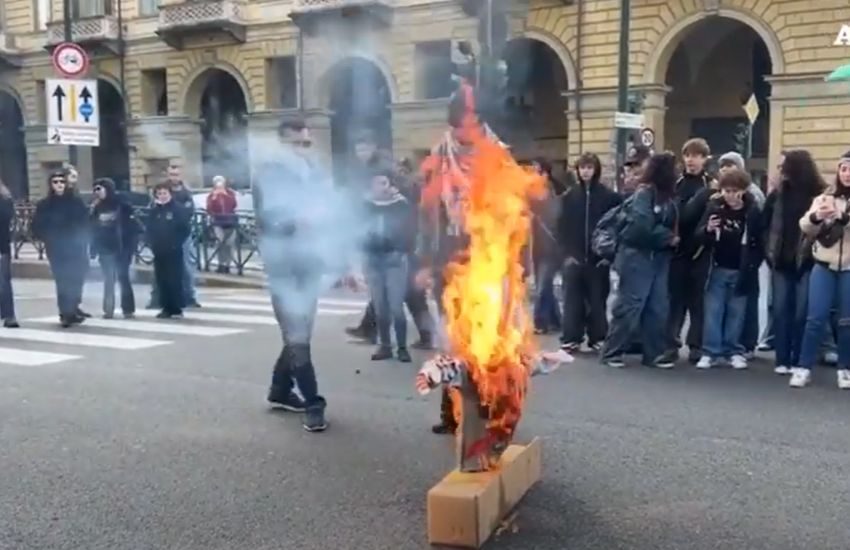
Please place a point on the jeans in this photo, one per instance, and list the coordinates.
(790, 292)
(641, 304)
(225, 237)
(767, 335)
(750, 328)
(724, 314)
(7, 303)
(68, 264)
(825, 288)
(585, 290)
(546, 315)
(189, 272)
(168, 274)
(114, 266)
(687, 291)
(386, 275)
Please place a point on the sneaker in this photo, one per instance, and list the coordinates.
(764, 347)
(314, 418)
(10, 323)
(844, 379)
(694, 355)
(383, 352)
(290, 402)
(781, 369)
(705, 362)
(571, 347)
(830, 358)
(83, 314)
(663, 363)
(596, 347)
(800, 377)
(738, 362)
(403, 355)
(443, 429)
(613, 362)
(163, 315)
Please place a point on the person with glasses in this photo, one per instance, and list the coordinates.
(61, 223)
(7, 215)
(115, 235)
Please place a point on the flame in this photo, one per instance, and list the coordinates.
(486, 315)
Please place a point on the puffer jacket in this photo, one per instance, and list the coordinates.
(831, 238)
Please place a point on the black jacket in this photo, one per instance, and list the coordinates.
(580, 212)
(61, 222)
(650, 225)
(785, 246)
(167, 227)
(391, 226)
(751, 255)
(688, 187)
(7, 215)
(114, 226)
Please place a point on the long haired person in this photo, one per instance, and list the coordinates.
(7, 215)
(789, 253)
(826, 221)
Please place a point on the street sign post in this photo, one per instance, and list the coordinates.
(628, 121)
(73, 116)
(647, 137)
(70, 60)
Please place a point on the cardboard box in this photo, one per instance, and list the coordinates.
(464, 509)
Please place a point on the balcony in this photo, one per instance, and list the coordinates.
(193, 18)
(95, 33)
(10, 57)
(306, 12)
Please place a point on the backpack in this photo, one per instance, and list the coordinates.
(605, 237)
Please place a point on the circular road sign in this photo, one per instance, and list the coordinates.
(647, 137)
(70, 60)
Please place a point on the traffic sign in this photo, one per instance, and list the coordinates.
(647, 137)
(70, 60)
(73, 116)
(630, 121)
(751, 107)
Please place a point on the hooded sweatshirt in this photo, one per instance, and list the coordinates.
(687, 188)
(61, 222)
(582, 206)
(114, 229)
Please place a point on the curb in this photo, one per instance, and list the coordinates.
(142, 275)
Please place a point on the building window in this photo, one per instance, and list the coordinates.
(148, 7)
(81, 9)
(42, 14)
(433, 68)
(282, 83)
(154, 92)
(41, 101)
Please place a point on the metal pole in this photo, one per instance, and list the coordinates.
(623, 86)
(69, 37)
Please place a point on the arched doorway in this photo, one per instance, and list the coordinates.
(111, 159)
(13, 148)
(715, 68)
(223, 111)
(535, 121)
(360, 101)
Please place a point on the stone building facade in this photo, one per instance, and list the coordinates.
(206, 81)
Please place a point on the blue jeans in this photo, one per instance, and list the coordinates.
(641, 304)
(189, 271)
(7, 303)
(825, 288)
(546, 315)
(724, 314)
(116, 268)
(386, 275)
(790, 292)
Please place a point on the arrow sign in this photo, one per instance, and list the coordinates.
(59, 94)
(86, 109)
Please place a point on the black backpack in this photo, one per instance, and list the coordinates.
(605, 237)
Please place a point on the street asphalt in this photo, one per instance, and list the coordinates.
(172, 447)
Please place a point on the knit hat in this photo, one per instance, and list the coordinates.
(845, 158)
(732, 158)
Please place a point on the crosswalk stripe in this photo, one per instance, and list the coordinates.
(194, 315)
(27, 358)
(332, 311)
(234, 305)
(359, 304)
(141, 326)
(260, 298)
(75, 338)
(265, 299)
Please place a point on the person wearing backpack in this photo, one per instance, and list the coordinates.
(646, 238)
(585, 276)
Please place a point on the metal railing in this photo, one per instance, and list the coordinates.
(205, 245)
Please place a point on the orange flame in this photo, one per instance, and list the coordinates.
(486, 314)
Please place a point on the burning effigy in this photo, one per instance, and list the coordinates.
(490, 352)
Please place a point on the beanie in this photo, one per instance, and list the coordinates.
(732, 158)
(845, 158)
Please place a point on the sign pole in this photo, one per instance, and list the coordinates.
(66, 23)
(623, 86)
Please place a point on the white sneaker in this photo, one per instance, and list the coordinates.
(781, 369)
(844, 379)
(705, 362)
(738, 362)
(800, 377)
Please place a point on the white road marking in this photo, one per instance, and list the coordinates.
(195, 315)
(265, 299)
(71, 337)
(142, 326)
(331, 311)
(233, 305)
(11, 356)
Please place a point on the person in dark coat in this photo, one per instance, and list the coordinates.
(586, 277)
(61, 223)
(7, 216)
(167, 228)
(115, 233)
(545, 252)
